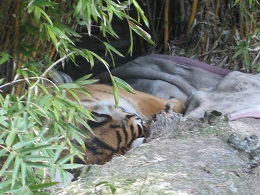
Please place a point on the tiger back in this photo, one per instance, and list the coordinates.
(142, 104)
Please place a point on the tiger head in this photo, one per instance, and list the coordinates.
(114, 130)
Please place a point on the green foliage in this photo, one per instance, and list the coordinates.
(249, 35)
(109, 185)
(47, 27)
(119, 83)
(35, 130)
(242, 49)
(250, 56)
(4, 57)
(37, 126)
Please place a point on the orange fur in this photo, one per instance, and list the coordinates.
(117, 128)
(144, 104)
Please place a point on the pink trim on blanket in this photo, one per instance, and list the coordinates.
(193, 63)
(245, 115)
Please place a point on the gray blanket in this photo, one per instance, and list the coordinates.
(200, 86)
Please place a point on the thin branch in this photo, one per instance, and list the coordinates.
(257, 56)
(22, 80)
(217, 8)
(166, 27)
(192, 15)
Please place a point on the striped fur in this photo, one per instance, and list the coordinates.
(117, 128)
(114, 134)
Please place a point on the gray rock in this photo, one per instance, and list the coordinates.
(188, 157)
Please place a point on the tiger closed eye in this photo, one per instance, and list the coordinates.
(100, 119)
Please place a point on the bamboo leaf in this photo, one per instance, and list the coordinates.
(123, 85)
(99, 58)
(17, 164)
(141, 32)
(141, 12)
(65, 27)
(71, 114)
(51, 34)
(85, 80)
(111, 186)
(23, 173)
(237, 53)
(77, 134)
(34, 148)
(6, 102)
(7, 163)
(10, 138)
(58, 152)
(110, 47)
(51, 139)
(3, 152)
(43, 3)
(56, 111)
(74, 95)
(69, 86)
(36, 158)
(71, 166)
(4, 184)
(37, 165)
(37, 14)
(4, 57)
(35, 117)
(66, 158)
(116, 92)
(46, 16)
(4, 123)
(84, 123)
(76, 131)
(42, 186)
(21, 144)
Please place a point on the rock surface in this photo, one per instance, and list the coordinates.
(189, 157)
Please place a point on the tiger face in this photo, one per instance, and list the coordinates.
(114, 132)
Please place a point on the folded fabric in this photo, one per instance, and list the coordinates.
(200, 86)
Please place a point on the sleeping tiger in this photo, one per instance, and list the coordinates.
(116, 128)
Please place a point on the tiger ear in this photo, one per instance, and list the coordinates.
(100, 119)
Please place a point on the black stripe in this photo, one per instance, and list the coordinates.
(103, 145)
(125, 132)
(114, 126)
(105, 119)
(128, 116)
(119, 139)
(93, 150)
(132, 131)
(123, 109)
(140, 131)
(95, 124)
(133, 138)
(90, 99)
(109, 92)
